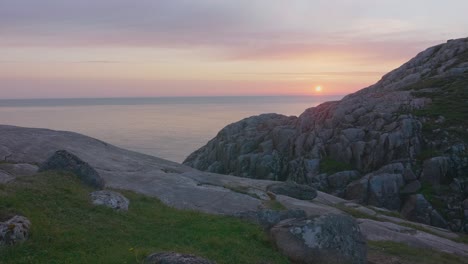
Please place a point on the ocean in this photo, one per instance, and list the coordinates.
(169, 128)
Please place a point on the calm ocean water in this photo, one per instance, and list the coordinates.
(170, 128)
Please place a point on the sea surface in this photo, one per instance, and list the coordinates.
(169, 128)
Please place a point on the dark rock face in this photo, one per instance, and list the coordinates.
(15, 230)
(298, 191)
(325, 239)
(175, 258)
(418, 209)
(65, 161)
(110, 199)
(390, 122)
(269, 218)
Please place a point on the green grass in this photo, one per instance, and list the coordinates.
(406, 254)
(274, 205)
(449, 101)
(330, 166)
(66, 228)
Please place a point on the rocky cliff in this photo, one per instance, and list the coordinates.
(400, 143)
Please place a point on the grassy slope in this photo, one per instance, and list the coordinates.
(391, 252)
(67, 229)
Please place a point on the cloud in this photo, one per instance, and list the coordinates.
(240, 29)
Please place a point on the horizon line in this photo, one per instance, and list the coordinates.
(175, 96)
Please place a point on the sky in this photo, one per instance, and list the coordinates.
(121, 48)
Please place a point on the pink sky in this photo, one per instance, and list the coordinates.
(117, 48)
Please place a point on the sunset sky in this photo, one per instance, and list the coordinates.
(121, 48)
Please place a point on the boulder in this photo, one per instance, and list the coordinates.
(110, 199)
(269, 218)
(15, 230)
(357, 190)
(298, 191)
(342, 178)
(436, 170)
(175, 258)
(65, 161)
(384, 190)
(411, 187)
(331, 238)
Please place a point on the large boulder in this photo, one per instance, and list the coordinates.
(384, 190)
(175, 258)
(298, 191)
(341, 179)
(110, 199)
(437, 170)
(65, 161)
(15, 230)
(330, 238)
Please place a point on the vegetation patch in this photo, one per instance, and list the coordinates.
(274, 205)
(330, 166)
(66, 228)
(449, 100)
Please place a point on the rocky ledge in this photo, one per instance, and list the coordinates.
(400, 144)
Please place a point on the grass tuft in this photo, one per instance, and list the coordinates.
(330, 166)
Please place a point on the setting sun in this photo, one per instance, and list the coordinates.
(318, 89)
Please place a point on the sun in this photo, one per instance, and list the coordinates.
(318, 89)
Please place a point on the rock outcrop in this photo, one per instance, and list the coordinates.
(322, 239)
(183, 187)
(14, 230)
(404, 135)
(110, 199)
(65, 161)
(175, 258)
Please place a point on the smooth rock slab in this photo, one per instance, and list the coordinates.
(19, 169)
(324, 239)
(15, 230)
(110, 199)
(298, 191)
(175, 258)
(65, 161)
(5, 177)
(386, 231)
(268, 218)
